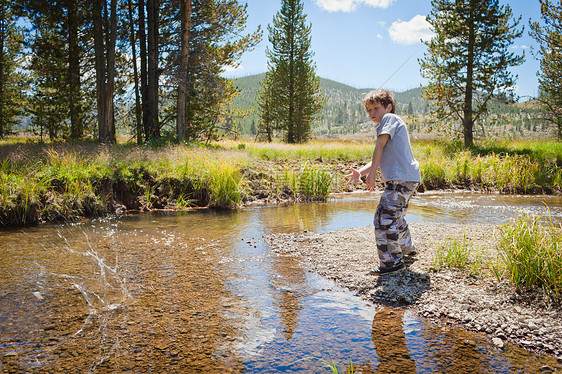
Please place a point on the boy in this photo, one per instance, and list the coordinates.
(401, 174)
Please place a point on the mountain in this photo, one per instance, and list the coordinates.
(342, 114)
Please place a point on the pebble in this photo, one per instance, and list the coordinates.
(497, 342)
(532, 325)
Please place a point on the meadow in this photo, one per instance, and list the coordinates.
(42, 182)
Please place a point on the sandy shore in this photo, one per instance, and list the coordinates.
(478, 303)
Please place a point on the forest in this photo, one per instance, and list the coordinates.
(98, 69)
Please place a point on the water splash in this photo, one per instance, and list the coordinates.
(106, 294)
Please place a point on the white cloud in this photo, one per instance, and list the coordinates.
(350, 5)
(410, 32)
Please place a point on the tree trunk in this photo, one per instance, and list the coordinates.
(76, 128)
(100, 68)
(468, 122)
(184, 60)
(104, 47)
(152, 9)
(138, 111)
(111, 70)
(291, 135)
(144, 69)
(2, 57)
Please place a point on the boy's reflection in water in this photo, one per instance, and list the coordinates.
(390, 342)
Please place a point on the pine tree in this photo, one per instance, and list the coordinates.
(12, 82)
(267, 104)
(468, 59)
(49, 101)
(549, 35)
(290, 95)
(59, 44)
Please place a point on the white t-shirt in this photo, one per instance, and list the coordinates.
(397, 161)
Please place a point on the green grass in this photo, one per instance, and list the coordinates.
(68, 181)
(314, 181)
(311, 151)
(531, 250)
(62, 181)
(458, 253)
(509, 168)
(516, 167)
(529, 255)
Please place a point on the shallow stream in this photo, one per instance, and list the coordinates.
(200, 291)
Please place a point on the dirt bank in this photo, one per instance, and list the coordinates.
(453, 297)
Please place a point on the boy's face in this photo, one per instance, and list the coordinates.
(377, 111)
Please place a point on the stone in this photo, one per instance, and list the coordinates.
(532, 325)
(498, 342)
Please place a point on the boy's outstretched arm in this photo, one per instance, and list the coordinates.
(377, 154)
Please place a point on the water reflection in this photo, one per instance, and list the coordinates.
(289, 292)
(200, 291)
(389, 340)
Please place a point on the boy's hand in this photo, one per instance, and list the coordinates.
(354, 176)
(371, 180)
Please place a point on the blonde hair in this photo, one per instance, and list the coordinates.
(381, 96)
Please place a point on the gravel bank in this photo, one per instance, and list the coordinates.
(446, 296)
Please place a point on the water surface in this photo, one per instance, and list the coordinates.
(200, 291)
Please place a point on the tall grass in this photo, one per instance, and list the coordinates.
(226, 185)
(311, 151)
(507, 172)
(529, 254)
(517, 167)
(314, 181)
(532, 253)
(55, 182)
(308, 182)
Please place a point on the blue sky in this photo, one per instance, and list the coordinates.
(373, 43)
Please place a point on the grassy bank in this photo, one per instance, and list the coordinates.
(517, 167)
(528, 254)
(54, 182)
(60, 182)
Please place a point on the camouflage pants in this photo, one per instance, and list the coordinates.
(391, 230)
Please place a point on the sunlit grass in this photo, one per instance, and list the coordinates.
(528, 253)
(518, 167)
(311, 151)
(512, 171)
(314, 181)
(458, 253)
(531, 251)
(72, 177)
